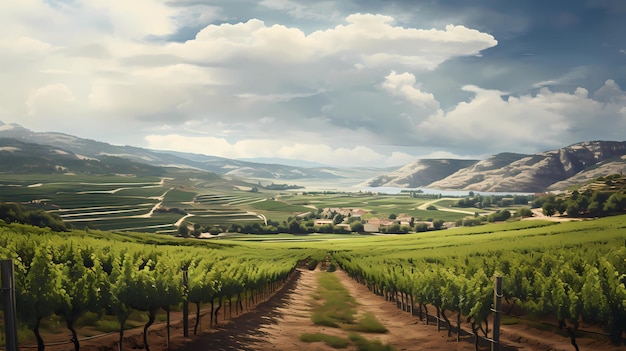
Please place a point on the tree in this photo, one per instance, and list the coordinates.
(295, 227)
(548, 209)
(572, 209)
(183, 230)
(338, 218)
(421, 227)
(524, 212)
(357, 227)
(615, 203)
(438, 224)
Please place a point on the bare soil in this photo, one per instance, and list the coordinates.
(277, 324)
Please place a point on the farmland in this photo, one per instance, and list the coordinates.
(474, 253)
(161, 204)
(431, 267)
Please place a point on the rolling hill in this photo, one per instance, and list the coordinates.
(509, 172)
(505, 172)
(96, 150)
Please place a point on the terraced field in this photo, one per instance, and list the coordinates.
(127, 203)
(153, 204)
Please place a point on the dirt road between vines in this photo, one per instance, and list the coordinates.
(277, 324)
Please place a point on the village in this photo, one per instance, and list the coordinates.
(346, 217)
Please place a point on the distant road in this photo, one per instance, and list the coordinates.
(445, 209)
(538, 215)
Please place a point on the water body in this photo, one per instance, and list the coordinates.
(429, 191)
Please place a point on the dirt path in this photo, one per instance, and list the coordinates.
(277, 324)
(425, 205)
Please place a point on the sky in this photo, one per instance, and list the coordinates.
(344, 83)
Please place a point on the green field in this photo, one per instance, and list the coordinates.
(126, 203)
(467, 256)
(458, 242)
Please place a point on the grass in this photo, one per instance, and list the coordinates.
(335, 308)
(330, 340)
(369, 324)
(338, 307)
(364, 344)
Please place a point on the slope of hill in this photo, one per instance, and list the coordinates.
(222, 166)
(504, 172)
(420, 173)
(553, 170)
(21, 157)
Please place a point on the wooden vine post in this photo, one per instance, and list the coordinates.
(8, 297)
(497, 311)
(186, 305)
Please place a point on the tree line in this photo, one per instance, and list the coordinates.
(588, 203)
(16, 213)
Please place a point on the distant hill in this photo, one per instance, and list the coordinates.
(509, 172)
(21, 157)
(504, 172)
(420, 173)
(88, 148)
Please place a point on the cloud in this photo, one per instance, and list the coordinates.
(288, 78)
(495, 121)
(318, 10)
(365, 37)
(49, 100)
(610, 92)
(341, 156)
(403, 85)
(575, 74)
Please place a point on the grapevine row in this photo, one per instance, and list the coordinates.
(67, 276)
(582, 283)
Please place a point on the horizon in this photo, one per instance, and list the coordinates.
(353, 84)
(305, 163)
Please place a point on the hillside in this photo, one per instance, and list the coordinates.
(222, 166)
(505, 172)
(420, 173)
(550, 170)
(21, 157)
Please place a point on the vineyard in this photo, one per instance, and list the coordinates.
(571, 273)
(162, 204)
(70, 275)
(138, 204)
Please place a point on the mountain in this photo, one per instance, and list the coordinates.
(285, 161)
(509, 172)
(420, 173)
(504, 172)
(18, 156)
(87, 148)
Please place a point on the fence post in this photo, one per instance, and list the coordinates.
(8, 294)
(186, 305)
(497, 310)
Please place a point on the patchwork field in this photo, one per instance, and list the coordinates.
(153, 204)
